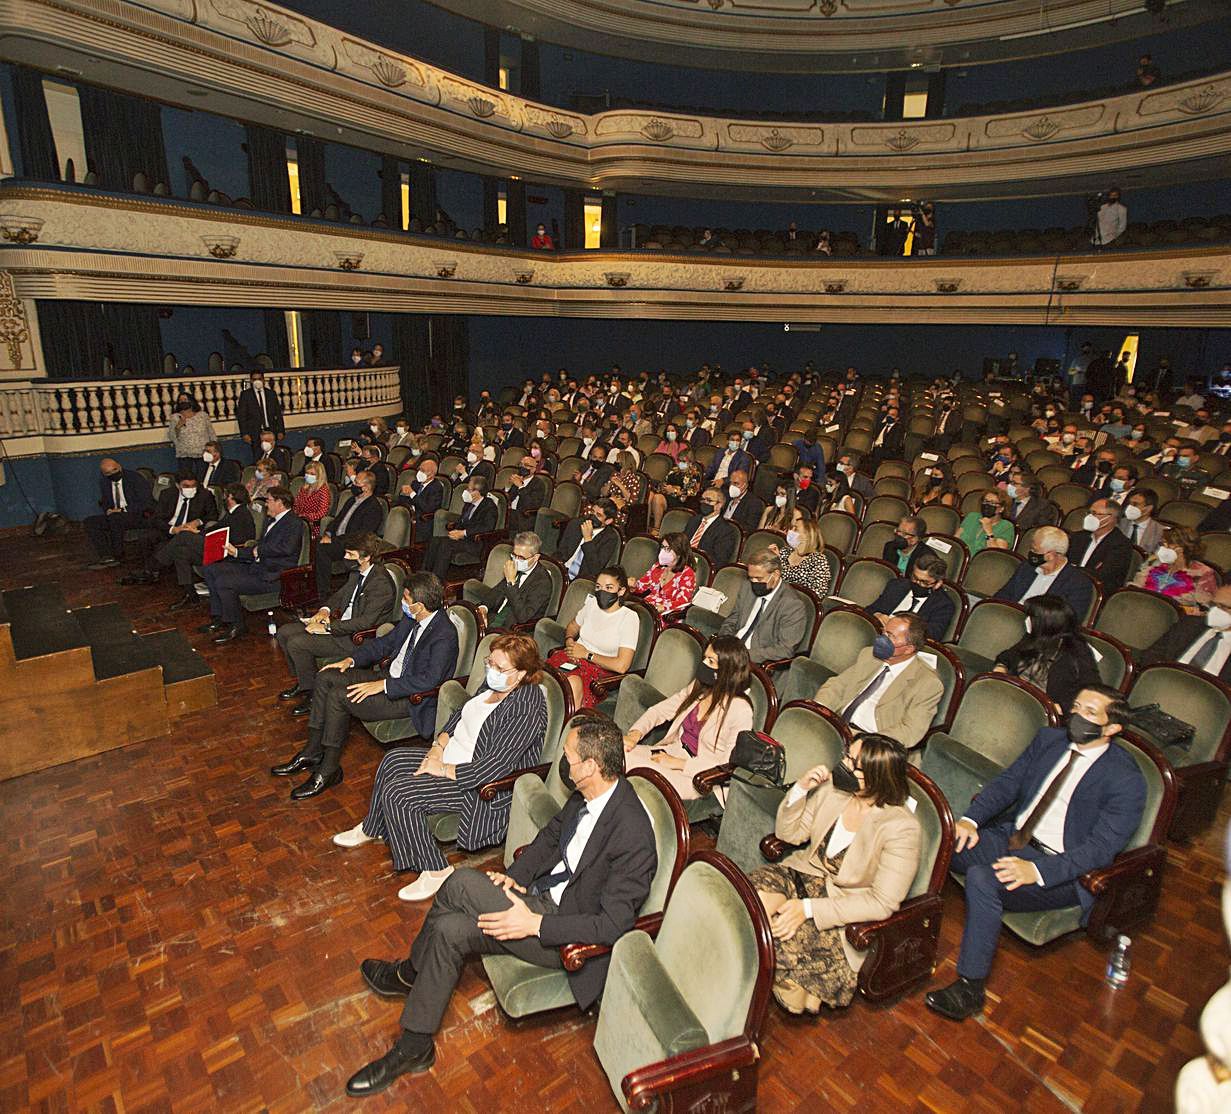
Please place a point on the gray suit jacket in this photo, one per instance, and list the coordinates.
(782, 628)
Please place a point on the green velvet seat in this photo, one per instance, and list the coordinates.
(843, 632)
(672, 666)
(700, 982)
(728, 580)
(992, 627)
(989, 571)
(1136, 617)
(523, 988)
(862, 582)
(640, 555)
(493, 572)
(549, 633)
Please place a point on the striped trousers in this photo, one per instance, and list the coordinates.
(401, 804)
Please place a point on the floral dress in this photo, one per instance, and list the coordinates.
(670, 597)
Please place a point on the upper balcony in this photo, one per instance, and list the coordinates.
(257, 62)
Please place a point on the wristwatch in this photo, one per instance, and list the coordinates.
(589, 656)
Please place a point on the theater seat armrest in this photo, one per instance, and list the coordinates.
(645, 1086)
(297, 586)
(706, 781)
(604, 688)
(426, 694)
(775, 663)
(488, 791)
(1123, 867)
(862, 934)
(574, 956)
(361, 636)
(774, 850)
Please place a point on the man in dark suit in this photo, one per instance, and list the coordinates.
(508, 436)
(588, 545)
(212, 470)
(710, 532)
(1028, 508)
(184, 508)
(919, 592)
(1095, 473)
(1068, 805)
(425, 493)
(524, 591)
(258, 409)
(362, 515)
(1202, 641)
(887, 444)
(124, 496)
(267, 446)
(807, 490)
(769, 617)
(757, 437)
(527, 492)
(1100, 546)
(422, 653)
(253, 571)
(362, 603)
(730, 459)
(457, 545)
(581, 881)
(186, 550)
(1047, 570)
(374, 462)
(593, 478)
(743, 508)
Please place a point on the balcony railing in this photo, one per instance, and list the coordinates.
(59, 407)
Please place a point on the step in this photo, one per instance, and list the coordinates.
(187, 679)
(114, 646)
(39, 622)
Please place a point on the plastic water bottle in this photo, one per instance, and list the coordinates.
(1120, 963)
(271, 626)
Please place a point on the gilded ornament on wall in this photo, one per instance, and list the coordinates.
(14, 329)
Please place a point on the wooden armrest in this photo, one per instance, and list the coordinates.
(1130, 862)
(861, 934)
(602, 689)
(426, 694)
(488, 791)
(775, 663)
(574, 956)
(297, 586)
(645, 1086)
(705, 781)
(774, 850)
(361, 636)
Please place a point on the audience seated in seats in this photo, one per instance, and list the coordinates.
(403, 436)
(1052, 655)
(1027, 506)
(857, 481)
(806, 491)
(313, 499)
(373, 461)
(778, 514)
(592, 479)
(361, 515)
(265, 476)
(527, 492)
(422, 653)
(600, 641)
(269, 447)
(907, 543)
(184, 508)
(124, 496)
(802, 559)
(987, 527)
(581, 881)
(1069, 804)
(678, 489)
(457, 545)
(918, 593)
(1047, 570)
(1139, 524)
(1177, 571)
(186, 549)
(710, 532)
(314, 450)
(670, 445)
(252, 571)
(376, 429)
(423, 494)
(524, 591)
(213, 470)
(859, 858)
(706, 717)
(934, 488)
(361, 604)
(743, 508)
(731, 458)
(498, 730)
(258, 412)
(888, 689)
(771, 619)
(670, 583)
(890, 434)
(1202, 641)
(1100, 547)
(621, 489)
(590, 543)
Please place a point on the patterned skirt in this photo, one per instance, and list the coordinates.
(586, 671)
(813, 958)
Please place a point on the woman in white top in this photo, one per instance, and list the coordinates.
(600, 642)
(498, 730)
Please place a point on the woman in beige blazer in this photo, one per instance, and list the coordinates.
(861, 857)
(705, 719)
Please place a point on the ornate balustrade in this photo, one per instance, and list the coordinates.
(111, 411)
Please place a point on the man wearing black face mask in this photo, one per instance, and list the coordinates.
(919, 592)
(1068, 805)
(588, 545)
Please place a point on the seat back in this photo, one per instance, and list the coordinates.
(640, 555)
(764, 699)
(674, 659)
(1136, 617)
(843, 633)
(885, 508)
(645, 635)
(1115, 664)
(674, 521)
(478, 669)
(952, 678)
(450, 697)
(759, 540)
(997, 717)
(397, 573)
(493, 571)
(989, 571)
(566, 499)
(955, 553)
(840, 530)
(578, 591)
(936, 846)
(1160, 792)
(671, 835)
(991, 627)
(1190, 695)
(875, 537)
(464, 619)
(864, 580)
(398, 527)
(940, 519)
(810, 735)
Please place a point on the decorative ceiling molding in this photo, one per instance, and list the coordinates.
(335, 84)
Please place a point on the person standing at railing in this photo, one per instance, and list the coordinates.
(259, 408)
(189, 431)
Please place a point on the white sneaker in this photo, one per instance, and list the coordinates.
(354, 837)
(425, 885)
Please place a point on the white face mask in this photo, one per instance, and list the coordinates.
(268, 446)
(522, 564)
(374, 428)
(1167, 555)
(1217, 619)
(734, 492)
(1029, 625)
(1132, 512)
(208, 458)
(792, 538)
(472, 458)
(309, 452)
(467, 496)
(1091, 523)
(779, 500)
(671, 435)
(421, 476)
(497, 681)
(666, 558)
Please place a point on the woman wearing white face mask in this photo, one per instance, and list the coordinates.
(497, 731)
(670, 583)
(802, 561)
(313, 499)
(778, 514)
(1177, 571)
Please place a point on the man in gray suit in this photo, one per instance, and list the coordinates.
(770, 618)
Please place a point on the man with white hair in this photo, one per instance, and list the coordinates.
(1048, 571)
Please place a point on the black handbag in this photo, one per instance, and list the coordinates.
(757, 753)
(1163, 728)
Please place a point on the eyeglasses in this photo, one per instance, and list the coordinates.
(489, 663)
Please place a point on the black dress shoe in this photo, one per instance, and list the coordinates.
(316, 785)
(957, 1001)
(232, 632)
(383, 978)
(379, 1074)
(297, 764)
(212, 626)
(304, 707)
(104, 563)
(186, 600)
(291, 693)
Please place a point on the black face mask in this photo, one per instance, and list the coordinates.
(565, 776)
(921, 590)
(707, 676)
(1082, 730)
(760, 590)
(844, 779)
(900, 542)
(990, 510)
(933, 481)
(1103, 467)
(605, 599)
(1036, 559)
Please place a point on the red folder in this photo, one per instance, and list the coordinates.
(216, 544)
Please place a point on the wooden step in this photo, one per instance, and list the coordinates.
(187, 680)
(49, 649)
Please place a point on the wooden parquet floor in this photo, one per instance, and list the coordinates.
(176, 935)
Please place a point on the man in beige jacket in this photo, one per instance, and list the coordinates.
(889, 689)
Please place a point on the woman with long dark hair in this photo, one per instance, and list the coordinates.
(705, 719)
(1052, 655)
(671, 582)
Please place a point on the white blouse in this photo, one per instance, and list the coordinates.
(840, 838)
(459, 750)
(605, 633)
